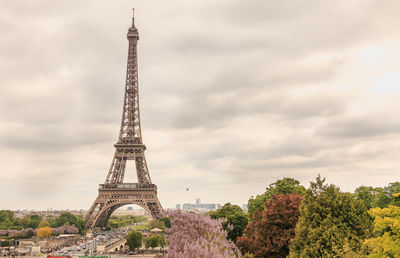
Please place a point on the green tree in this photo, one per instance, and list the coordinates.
(155, 240)
(152, 241)
(44, 223)
(234, 216)
(331, 223)
(25, 221)
(34, 221)
(167, 221)
(6, 215)
(52, 222)
(156, 224)
(380, 196)
(67, 218)
(367, 194)
(80, 224)
(134, 240)
(391, 190)
(162, 241)
(387, 231)
(36, 217)
(396, 197)
(6, 219)
(226, 210)
(282, 186)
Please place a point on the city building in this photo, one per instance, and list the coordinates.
(198, 206)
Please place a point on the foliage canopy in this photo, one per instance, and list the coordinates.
(331, 223)
(235, 217)
(134, 240)
(387, 231)
(44, 232)
(282, 186)
(270, 231)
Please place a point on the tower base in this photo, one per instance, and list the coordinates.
(112, 197)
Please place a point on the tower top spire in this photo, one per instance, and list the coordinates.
(132, 31)
(133, 17)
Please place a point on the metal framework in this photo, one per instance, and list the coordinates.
(114, 193)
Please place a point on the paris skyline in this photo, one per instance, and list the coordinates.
(233, 97)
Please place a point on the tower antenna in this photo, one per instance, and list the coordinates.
(133, 17)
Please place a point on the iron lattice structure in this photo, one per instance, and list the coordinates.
(114, 193)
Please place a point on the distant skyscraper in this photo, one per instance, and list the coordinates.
(178, 206)
(198, 206)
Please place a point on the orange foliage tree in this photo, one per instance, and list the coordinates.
(44, 232)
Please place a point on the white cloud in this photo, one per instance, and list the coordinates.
(233, 96)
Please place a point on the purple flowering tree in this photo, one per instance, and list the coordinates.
(66, 229)
(193, 236)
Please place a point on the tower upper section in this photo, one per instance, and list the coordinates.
(130, 132)
(132, 31)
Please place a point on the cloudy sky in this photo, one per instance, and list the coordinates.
(234, 95)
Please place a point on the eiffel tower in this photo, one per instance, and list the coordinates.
(114, 193)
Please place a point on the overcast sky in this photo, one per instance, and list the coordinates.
(234, 95)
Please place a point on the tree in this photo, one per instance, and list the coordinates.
(331, 223)
(282, 186)
(156, 224)
(167, 221)
(270, 231)
(6, 219)
(44, 232)
(152, 241)
(235, 217)
(25, 221)
(382, 198)
(43, 224)
(391, 190)
(33, 223)
(134, 240)
(6, 215)
(52, 222)
(378, 197)
(193, 235)
(387, 231)
(66, 229)
(367, 194)
(396, 197)
(67, 218)
(80, 224)
(225, 211)
(161, 241)
(155, 240)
